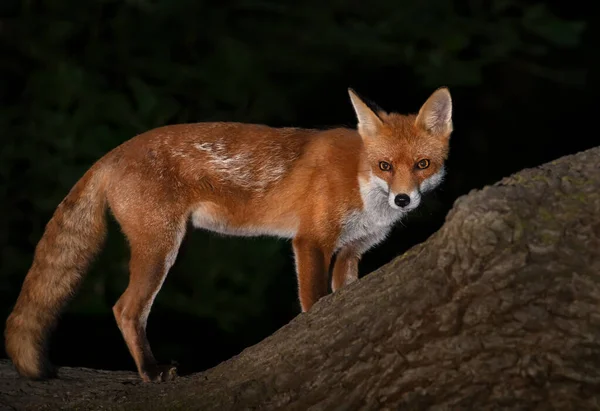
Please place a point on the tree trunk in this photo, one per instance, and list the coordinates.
(498, 309)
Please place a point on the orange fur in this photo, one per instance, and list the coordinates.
(324, 189)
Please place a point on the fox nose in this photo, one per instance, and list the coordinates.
(402, 200)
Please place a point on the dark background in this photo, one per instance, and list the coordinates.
(77, 78)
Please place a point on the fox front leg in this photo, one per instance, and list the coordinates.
(312, 267)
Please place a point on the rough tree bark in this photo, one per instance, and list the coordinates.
(498, 309)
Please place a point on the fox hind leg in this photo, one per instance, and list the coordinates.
(152, 255)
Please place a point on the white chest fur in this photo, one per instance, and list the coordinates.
(374, 221)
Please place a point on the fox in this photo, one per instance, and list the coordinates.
(336, 191)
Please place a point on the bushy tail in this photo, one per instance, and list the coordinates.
(72, 238)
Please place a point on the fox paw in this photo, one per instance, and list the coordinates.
(160, 373)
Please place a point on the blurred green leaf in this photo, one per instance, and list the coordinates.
(541, 22)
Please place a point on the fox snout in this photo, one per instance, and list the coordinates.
(404, 201)
(407, 196)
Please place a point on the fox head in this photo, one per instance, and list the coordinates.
(405, 154)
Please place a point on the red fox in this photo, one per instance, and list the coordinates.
(331, 191)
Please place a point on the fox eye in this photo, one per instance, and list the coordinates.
(385, 166)
(423, 164)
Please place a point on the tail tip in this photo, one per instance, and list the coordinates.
(25, 348)
(36, 372)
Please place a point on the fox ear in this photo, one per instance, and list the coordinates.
(368, 121)
(435, 116)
